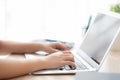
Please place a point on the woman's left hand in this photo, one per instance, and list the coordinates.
(55, 46)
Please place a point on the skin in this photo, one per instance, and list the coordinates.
(59, 55)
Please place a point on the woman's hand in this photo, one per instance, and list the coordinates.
(55, 46)
(58, 59)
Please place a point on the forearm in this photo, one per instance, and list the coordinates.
(15, 47)
(12, 67)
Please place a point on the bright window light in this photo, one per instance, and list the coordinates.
(54, 19)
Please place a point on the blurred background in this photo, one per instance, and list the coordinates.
(25, 20)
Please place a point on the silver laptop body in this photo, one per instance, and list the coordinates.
(95, 46)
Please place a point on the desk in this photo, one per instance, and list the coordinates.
(111, 64)
(45, 77)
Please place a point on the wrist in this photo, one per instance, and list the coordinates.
(44, 62)
(36, 63)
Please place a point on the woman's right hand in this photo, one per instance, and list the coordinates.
(59, 59)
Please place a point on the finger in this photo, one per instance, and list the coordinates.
(69, 58)
(62, 46)
(67, 52)
(69, 63)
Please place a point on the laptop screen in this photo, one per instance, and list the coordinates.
(100, 36)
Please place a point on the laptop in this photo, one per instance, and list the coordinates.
(90, 54)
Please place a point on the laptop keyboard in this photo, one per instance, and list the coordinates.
(78, 67)
(81, 66)
(68, 67)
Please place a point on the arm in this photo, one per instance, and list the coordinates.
(17, 47)
(11, 67)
